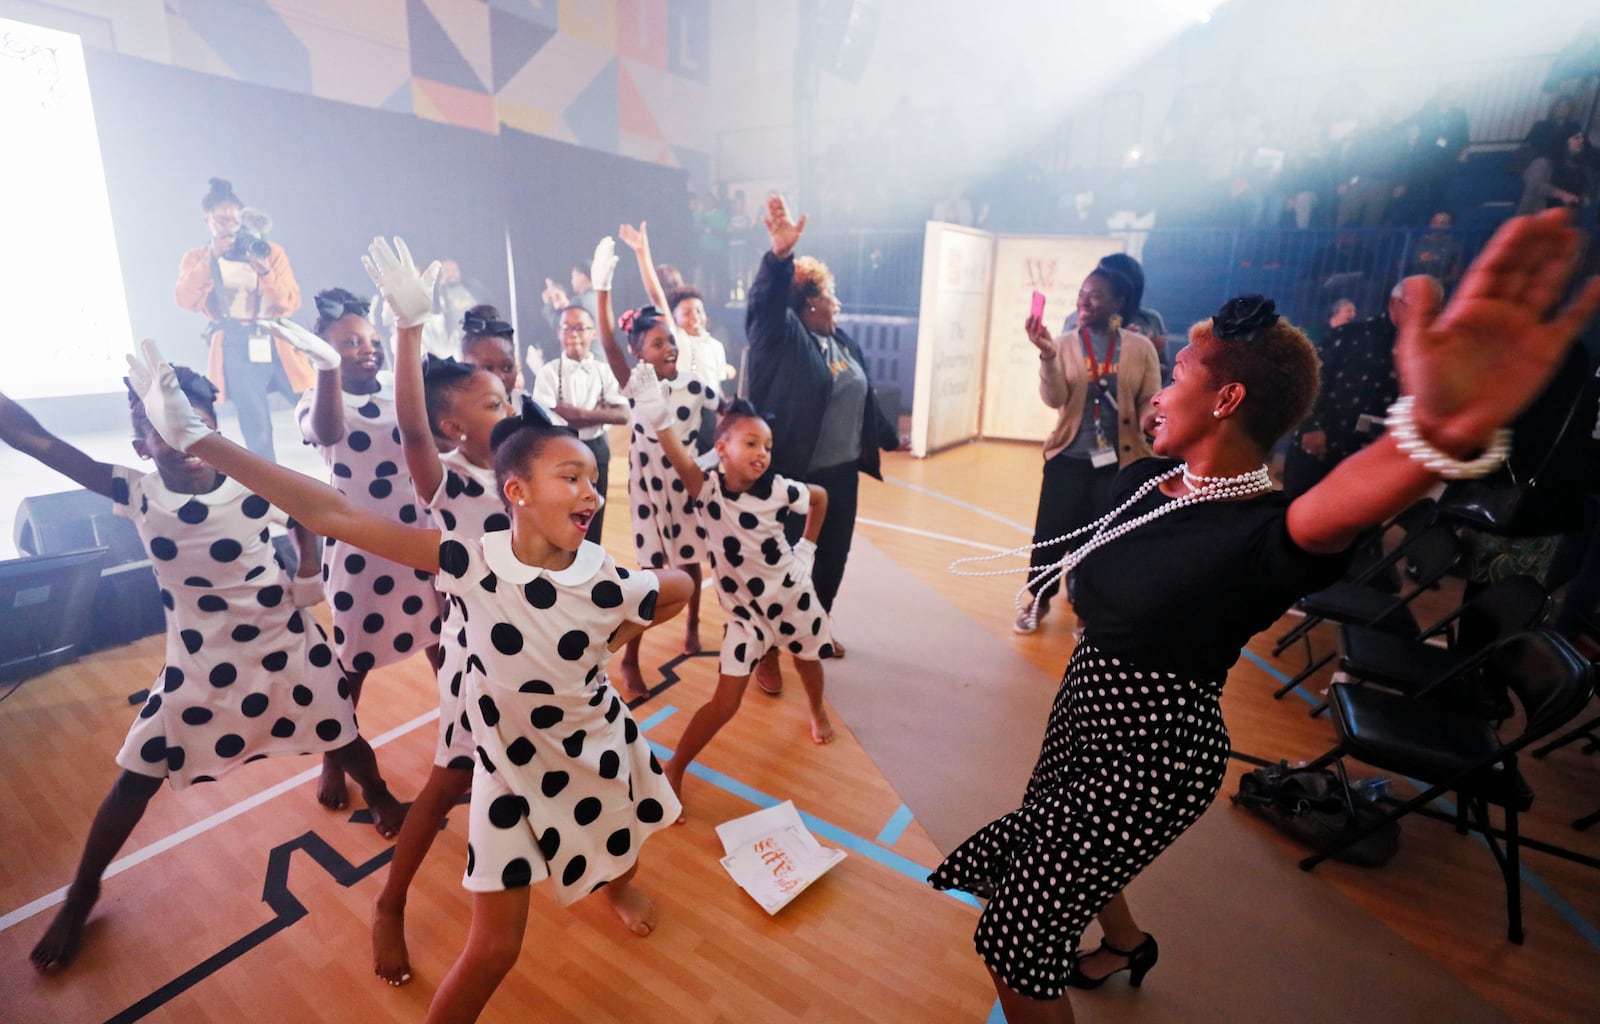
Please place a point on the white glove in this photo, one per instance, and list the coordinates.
(805, 553)
(534, 358)
(604, 265)
(408, 293)
(165, 404)
(305, 591)
(649, 404)
(319, 352)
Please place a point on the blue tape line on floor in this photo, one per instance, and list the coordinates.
(824, 829)
(896, 827)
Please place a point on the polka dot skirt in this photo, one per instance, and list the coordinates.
(246, 674)
(751, 562)
(1130, 760)
(565, 786)
(665, 532)
(467, 500)
(383, 612)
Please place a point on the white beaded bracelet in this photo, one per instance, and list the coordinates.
(1399, 423)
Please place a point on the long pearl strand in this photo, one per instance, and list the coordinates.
(1106, 529)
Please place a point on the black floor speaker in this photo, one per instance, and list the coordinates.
(127, 602)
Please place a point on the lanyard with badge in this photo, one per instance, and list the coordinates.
(1102, 455)
(258, 342)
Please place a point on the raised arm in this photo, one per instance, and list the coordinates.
(767, 310)
(324, 422)
(310, 502)
(1468, 370)
(21, 431)
(410, 295)
(605, 262)
(639, 242)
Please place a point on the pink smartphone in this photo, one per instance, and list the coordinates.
(1037, 312)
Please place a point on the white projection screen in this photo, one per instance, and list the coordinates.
(61, 296)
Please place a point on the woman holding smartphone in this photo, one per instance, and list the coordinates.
(1100, 380)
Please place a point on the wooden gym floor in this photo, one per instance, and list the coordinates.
(244, 900)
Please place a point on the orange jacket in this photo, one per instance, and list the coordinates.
(280, 295)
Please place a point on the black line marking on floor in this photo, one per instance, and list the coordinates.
(287, 909)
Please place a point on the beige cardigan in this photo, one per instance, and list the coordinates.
(1064, 383)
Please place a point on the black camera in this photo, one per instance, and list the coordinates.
(246, 245)
(250, 241)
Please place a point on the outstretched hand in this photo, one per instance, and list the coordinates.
(318, 352)
(604, 265)
(1473, 366)
(634, 238)
(165, 405)
(408, 293)
(784, 232)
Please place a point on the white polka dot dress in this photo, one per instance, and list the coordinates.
(1130, 760)
(383, 611)
(468, 500)
(751, 562)
(247, 675)
(565, 786)
(665, 532)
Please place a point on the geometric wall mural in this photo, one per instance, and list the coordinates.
(621, 76)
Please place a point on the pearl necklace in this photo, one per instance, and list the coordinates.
(1106, 529)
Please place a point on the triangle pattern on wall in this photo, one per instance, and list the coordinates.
(513, 42)
(434, 55)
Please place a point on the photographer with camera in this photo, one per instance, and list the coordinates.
(243, 282)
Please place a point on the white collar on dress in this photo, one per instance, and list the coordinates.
(497, 554)
(384, 393)
(156, 490)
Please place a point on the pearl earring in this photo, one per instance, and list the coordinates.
(521, 503)
(1217, 413)
(463, 437)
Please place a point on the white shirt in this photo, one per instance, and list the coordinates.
(587, 385)
(704, 357)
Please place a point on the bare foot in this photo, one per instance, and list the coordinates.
(691, 642)
(633, 687)
(56, 947)
(332, 792)
(821, 728)
(636, 910)
(390, 960)
(388, 814)
(769, 677)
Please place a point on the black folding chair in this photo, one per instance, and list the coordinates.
(1417, 666)
(1373, 570)
(1449, 750)
(1433, 553)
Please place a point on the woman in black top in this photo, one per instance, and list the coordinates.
(1200, 555)
(809, 379)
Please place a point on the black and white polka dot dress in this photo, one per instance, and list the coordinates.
(751, 561)
(565, 788)
(664, 529)
(467, 500)
(247, 675)
(382, 611)
(1131, 759)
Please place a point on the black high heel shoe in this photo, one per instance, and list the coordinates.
(1140, 959)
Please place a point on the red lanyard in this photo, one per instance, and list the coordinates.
(1096, 372)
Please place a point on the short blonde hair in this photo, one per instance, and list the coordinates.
(811, 278)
